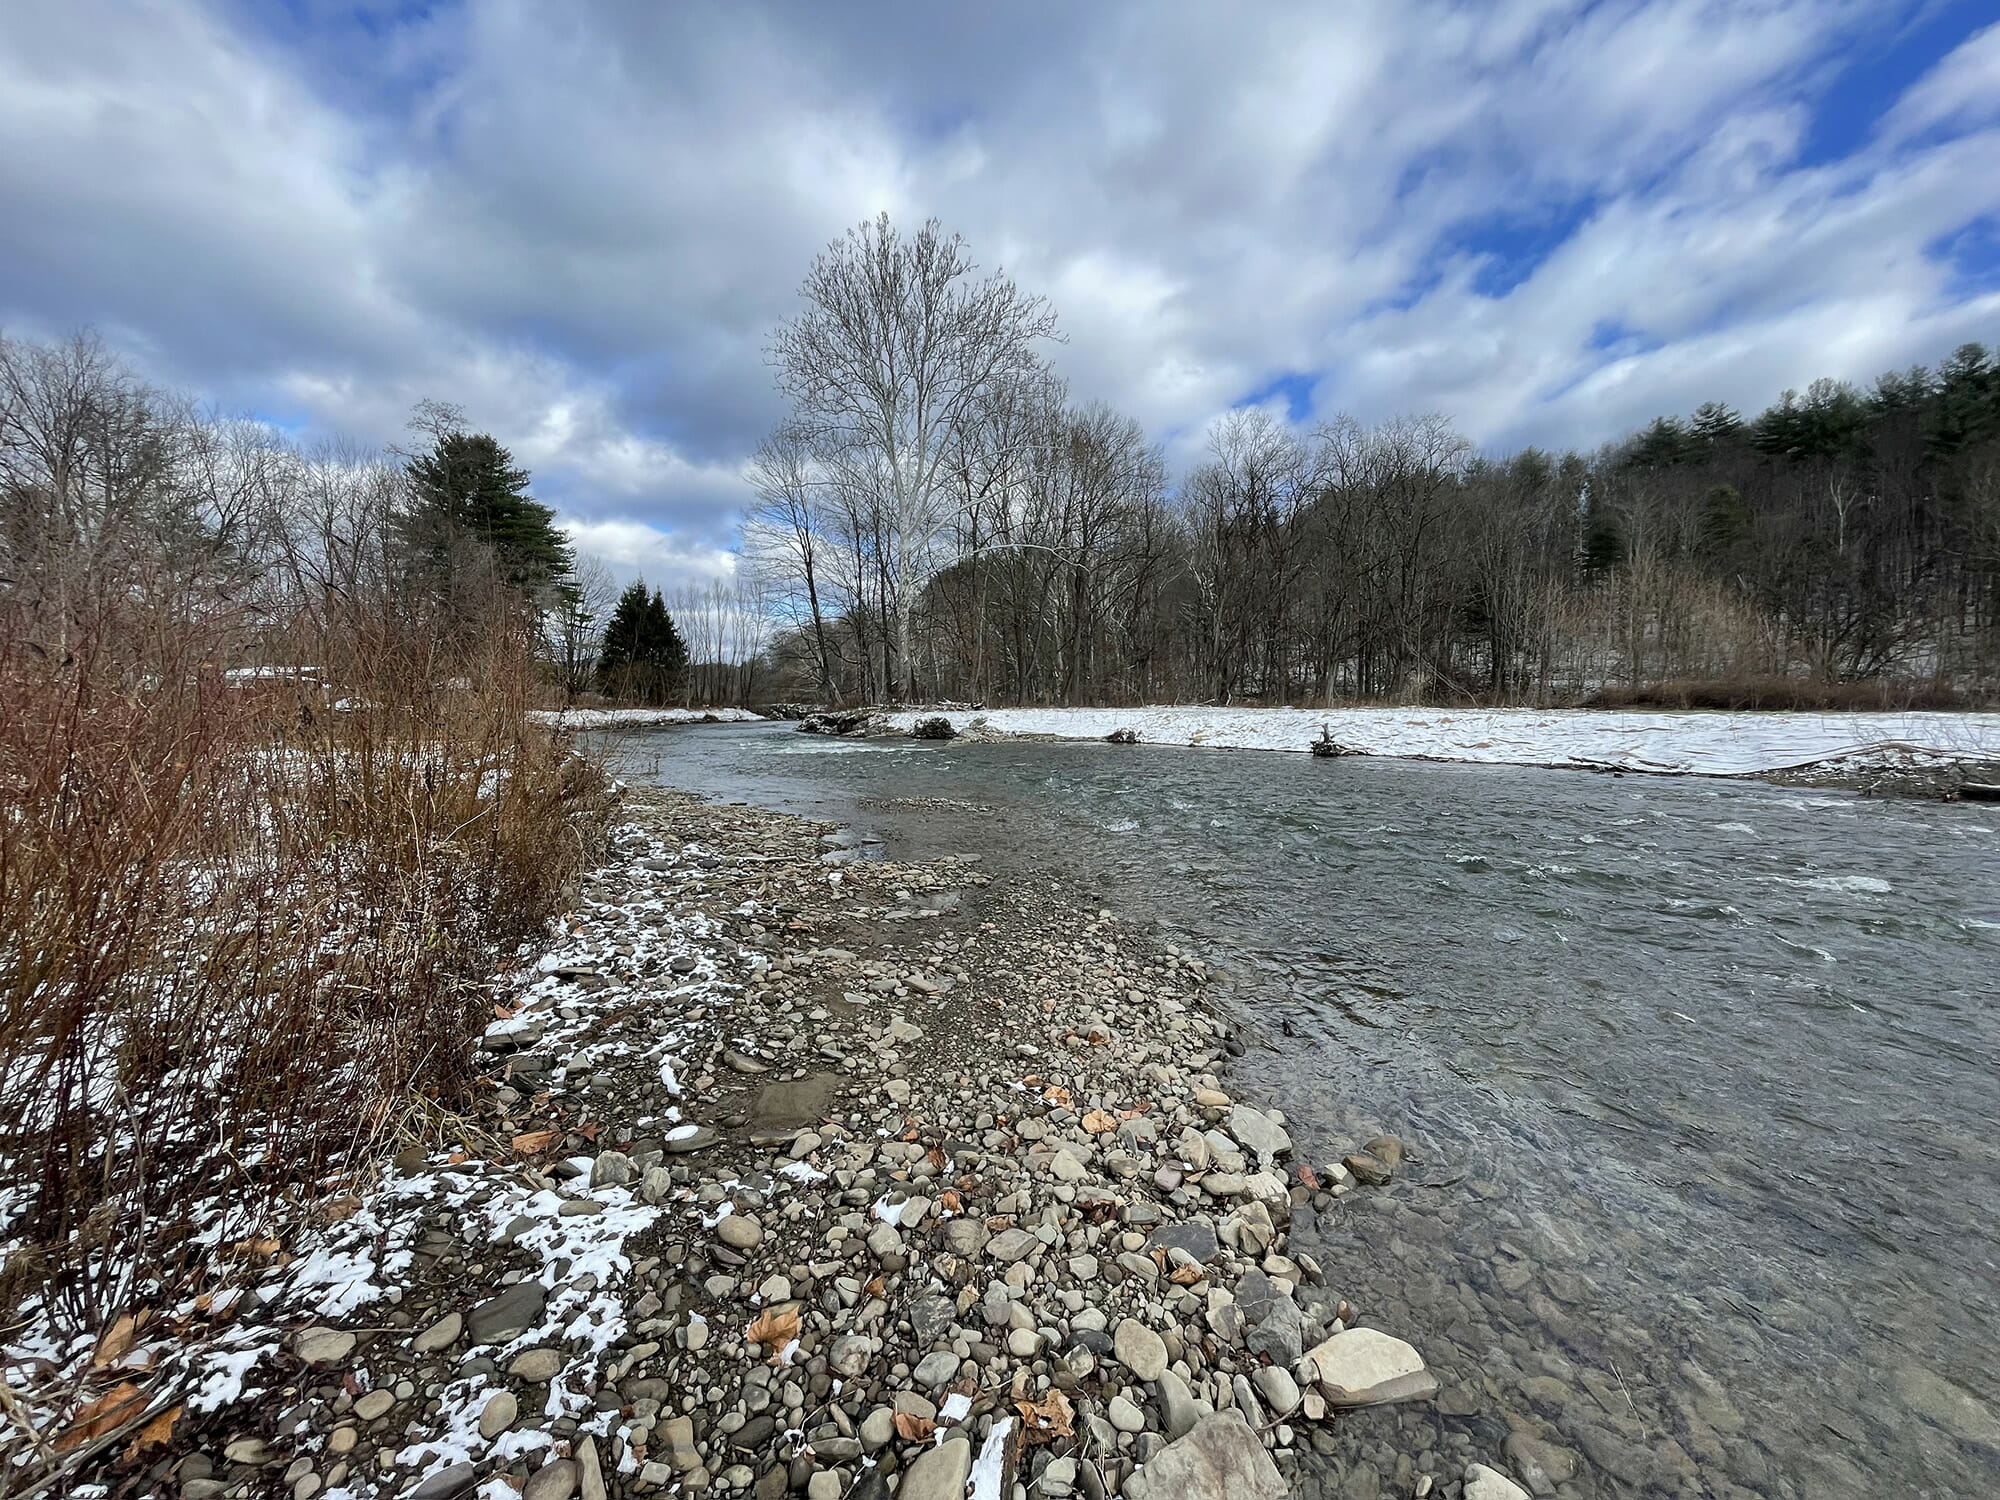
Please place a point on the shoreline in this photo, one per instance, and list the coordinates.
(776, 1135)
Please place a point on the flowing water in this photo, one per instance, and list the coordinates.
(1699, 1078)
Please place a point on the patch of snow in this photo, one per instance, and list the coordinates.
(1689, 743)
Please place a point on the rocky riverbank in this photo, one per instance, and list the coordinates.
(801, 1172)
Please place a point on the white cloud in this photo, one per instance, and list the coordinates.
(582, 224)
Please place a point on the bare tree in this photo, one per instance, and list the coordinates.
(898, 343)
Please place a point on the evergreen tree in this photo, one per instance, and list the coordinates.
(467, 486)
(643, 655)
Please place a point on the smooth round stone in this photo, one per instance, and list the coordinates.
(1024, 1343)
(374, 1404)
(498, 1414)
(1125, 1416)
(1140, 1350)
(740, 1232)
(538, 1366)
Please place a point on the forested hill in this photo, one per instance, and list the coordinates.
(1840, 546)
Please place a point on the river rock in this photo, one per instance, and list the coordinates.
(1178, 1408)
(1219, 1459)
(1140, 1350)
(1482, 1483)
(554, 1480)
(740, 1232)
(1368, 1168)
(322, 1346)
(440, 1335)
(1010, 1245)
(938, 1473)
(508, 1315)
(964, 1237)
(1195, 1236)
(374, 1404)
(1257, 1133)
(447, 1483)
(1366, 1367)
(498, 1414)
(611, 1169)
(537, 1366)
(674, 1438)
(1277, 1388)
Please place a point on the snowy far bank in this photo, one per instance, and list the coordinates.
(610, 718)
(1688, 744)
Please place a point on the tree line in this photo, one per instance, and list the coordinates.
(938, 518)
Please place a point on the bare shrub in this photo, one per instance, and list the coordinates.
(268, 820)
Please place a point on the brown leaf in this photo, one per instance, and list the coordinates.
(873, 1287)
(1308, 1176)
(937, 1157)
(1057, 1095)
(912, 1428)
(949, 1201)
(590, 1132)
(339, 1210)
(533, 1142)
(1097, 1122)
(1186, 1275)
(775, 1326)
(1046, 1420)
(107, 1413)
(116, 1341)
(155, 1433)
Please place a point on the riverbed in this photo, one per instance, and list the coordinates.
(1698, 1076)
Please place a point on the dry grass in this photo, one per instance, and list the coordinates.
(244, 934)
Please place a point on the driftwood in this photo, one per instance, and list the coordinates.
(1979, 791)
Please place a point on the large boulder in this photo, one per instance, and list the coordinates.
(1219, 1459)
(1366, 1367)
(935, 727)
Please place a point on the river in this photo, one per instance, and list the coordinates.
(1701, 1079)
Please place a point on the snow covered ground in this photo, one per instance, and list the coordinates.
(1689, 744)
(611, 718)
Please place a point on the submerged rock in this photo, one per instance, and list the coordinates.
(1366, 1367)
(1220, 1459)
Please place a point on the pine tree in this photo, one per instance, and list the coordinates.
(467, 486)
(643, 655)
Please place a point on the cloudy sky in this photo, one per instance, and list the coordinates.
(1551, 219)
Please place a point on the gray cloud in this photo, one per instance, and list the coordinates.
(582, 222)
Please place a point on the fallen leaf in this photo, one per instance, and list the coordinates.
(1057, 1095)
(115, 1342)
(1046, 1420)
(936, 1157)
(912, 1428)
(1309, 1177)
(532, 1142)
(107, 1413)
(590, 1132)
(873, 1287)
(155, 1433)
(776, 1326)
(1097, 1122)
(949, 1200)
(1185, 1275)
(339, 1210)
